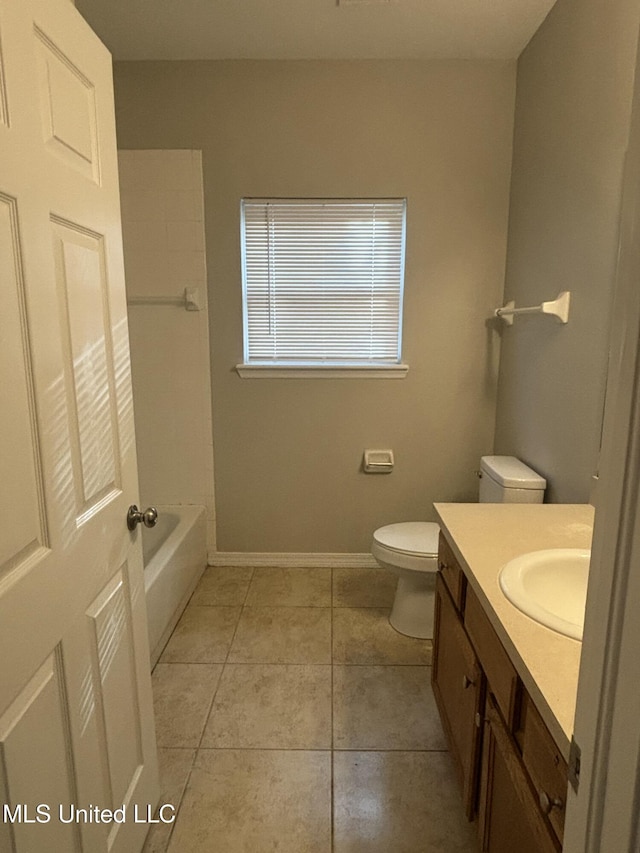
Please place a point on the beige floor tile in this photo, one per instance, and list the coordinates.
(175, 767)
(385, 707)
(404, 802)
(364, 636)
(283, 635)
(182, 696)
(363, 588)
(296, 587)
(262, 706)
(255, 801)
(222, 585)
(203, 635)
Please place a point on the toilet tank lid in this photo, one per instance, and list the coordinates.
(410, 537)
(511, 472)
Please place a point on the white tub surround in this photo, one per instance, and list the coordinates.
(175, 556)
(484, 537)
(164, 255)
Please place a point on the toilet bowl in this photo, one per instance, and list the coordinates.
(410, 550)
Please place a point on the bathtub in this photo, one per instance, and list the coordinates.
(175, 556)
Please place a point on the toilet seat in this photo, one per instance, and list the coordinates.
(411, 538)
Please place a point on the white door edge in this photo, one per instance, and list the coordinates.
(603, 815)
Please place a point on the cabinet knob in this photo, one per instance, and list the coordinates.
(467, 682)
(547, 804)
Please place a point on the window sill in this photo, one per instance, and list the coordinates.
(322, 371)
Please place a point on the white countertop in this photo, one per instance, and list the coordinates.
(486, 536)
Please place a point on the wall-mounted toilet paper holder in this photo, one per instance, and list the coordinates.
(378, 461)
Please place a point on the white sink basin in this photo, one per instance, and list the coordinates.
(550, 587)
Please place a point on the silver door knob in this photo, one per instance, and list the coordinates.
(135, 516)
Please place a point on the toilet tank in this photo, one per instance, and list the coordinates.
(507, 480)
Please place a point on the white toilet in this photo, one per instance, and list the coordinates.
(410, 549)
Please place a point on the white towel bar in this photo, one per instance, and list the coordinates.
(559, 308)
(190, 300)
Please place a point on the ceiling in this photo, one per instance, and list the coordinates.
(315, 29)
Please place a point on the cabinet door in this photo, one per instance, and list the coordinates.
(451, 572)
(458, 687)
(545, 765)
(509, 818)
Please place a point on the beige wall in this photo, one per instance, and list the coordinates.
(571, 129)
(288, 452)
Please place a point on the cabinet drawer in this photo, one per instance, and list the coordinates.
(451, 572)
(545, 765)
(502, 678)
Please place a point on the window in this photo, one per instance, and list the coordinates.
(322, 286)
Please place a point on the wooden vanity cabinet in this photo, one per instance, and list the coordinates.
(458, 686)
(508, 815)
(512, 775)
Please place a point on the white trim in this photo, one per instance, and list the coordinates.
(322, 371)
(604, 814)
(289, 559)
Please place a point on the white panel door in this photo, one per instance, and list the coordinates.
(76, 721)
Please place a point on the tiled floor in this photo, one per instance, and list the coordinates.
(291, 717)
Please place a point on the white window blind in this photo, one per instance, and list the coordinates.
(323, 281)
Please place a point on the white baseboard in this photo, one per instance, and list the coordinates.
(287, 560)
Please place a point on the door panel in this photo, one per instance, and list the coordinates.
(25, 741)
(21, 508)
(84, 316)
(68, 104)
(76, 719)
(4, 114)
(110, 619)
